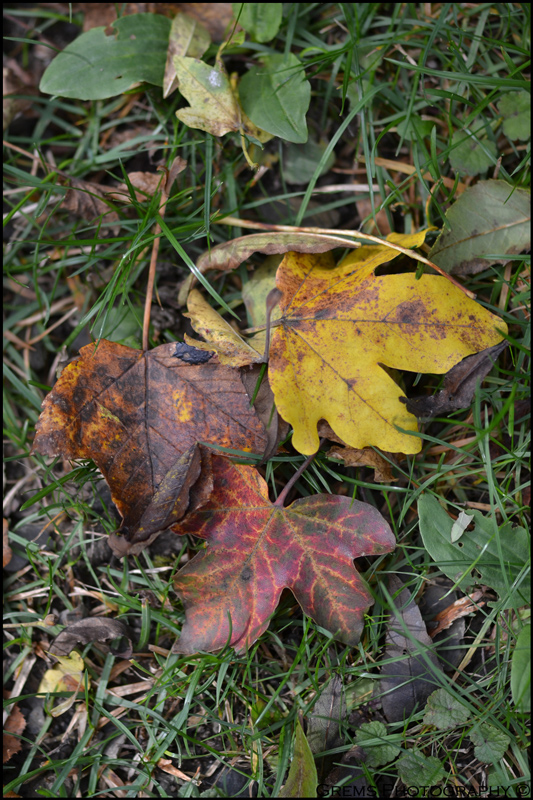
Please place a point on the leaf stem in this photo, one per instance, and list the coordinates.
(290, 483)
(153, 262)
(273, 298)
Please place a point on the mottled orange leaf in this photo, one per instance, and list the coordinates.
(139, 416)
(255, 549)
(341, 327)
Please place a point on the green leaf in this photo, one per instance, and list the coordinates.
(260, 20)
(444, 711)
(276, 97)
(521, 671)
(98, 65)
(487, 219)
(472, 155)
(497, 554)
(416, 769)
(515, 109)
(300, 161)
(490, 743)
(378, 753)
(302, 779)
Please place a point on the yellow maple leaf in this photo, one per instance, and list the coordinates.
(341, 325)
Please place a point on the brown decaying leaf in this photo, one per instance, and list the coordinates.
(144, 183)
(231, 588)
(228, 255)
(352, 457)
(460, 608)
(459, 385)
(139, 416)
(408, 681)
(85, 200)
(14, 724)
(92, 629)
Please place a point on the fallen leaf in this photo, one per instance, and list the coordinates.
(459, 385)
(341, 325)
(460, 608)
(213, 107)
(436, 599)
(219, 335)
(490, 217)
(408, 679)
(86, 200)
(145, 185)
(14, 724)
(230, 589)
(229, 255)
(91, 629)
(367, 457)
(352, 457)
(187, 38)
(66, 676)
(302, 779)
(139, 416)
(167, 766)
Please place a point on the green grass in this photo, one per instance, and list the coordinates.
(376, 70)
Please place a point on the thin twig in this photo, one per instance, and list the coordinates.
(153, 262)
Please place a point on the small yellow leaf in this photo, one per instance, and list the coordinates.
(66, 676)
(214, 107)
(340, 325)
(232, 350)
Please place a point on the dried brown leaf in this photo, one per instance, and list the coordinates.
(92, 629)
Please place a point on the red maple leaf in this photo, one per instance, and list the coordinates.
(255, 549)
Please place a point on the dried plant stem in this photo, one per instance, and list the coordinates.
(153, 263)
(368, 237)
(288, 486)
